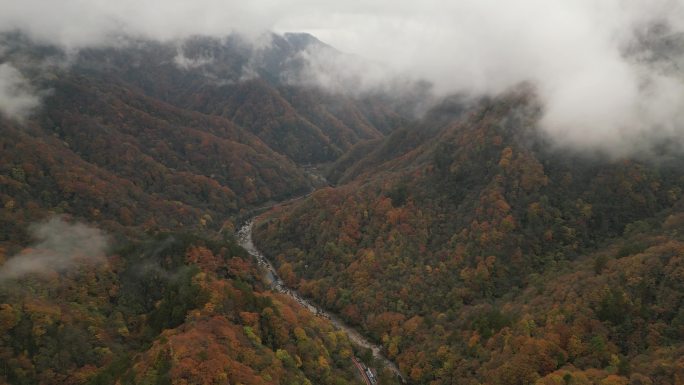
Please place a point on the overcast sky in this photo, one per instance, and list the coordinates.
(572, 50)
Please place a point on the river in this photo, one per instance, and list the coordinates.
(271, 277)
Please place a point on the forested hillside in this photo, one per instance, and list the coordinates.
(477, 253)
(172, 308)
(168, 136)
(465, 241)
(256, 88)
(120, 195)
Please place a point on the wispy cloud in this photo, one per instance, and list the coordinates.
(17, 97)
(59, 246)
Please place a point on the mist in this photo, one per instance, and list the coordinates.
(605, 77)
(18, 99)
(59, 246)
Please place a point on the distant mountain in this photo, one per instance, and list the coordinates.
(255, 87)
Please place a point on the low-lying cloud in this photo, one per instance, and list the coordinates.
(606, 79)
(17, 97)
(59, 246)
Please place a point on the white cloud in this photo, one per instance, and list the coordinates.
(59, 246)
(17, 98)
(78, 23)
(185, 62)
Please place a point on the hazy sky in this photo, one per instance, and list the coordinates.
(572, 50)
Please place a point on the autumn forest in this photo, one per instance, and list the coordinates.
(454, 235)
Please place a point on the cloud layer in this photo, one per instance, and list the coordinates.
(59, 246)
(601, 77)
(598, 66)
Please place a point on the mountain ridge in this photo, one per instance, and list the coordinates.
(433, 241)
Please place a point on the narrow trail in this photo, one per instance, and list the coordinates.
(244, 236)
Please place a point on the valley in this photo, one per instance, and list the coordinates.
(270, 275)
(204, 210)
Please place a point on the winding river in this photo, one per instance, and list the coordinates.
(272, 278)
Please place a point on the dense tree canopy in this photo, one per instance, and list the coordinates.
(476, 255)
(173, 309)
(166, 161)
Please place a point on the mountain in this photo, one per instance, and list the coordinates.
(477, 252)
(463, 241)
(256, 87)
(120, 194)
(171, 135)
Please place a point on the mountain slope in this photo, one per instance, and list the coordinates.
(436, 231)
(161, 158)
(174, 308)
(109, 153)
(171, 135)
(253, 86)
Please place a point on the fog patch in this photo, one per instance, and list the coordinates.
(186, 63)
(18, 98)
(334, 71)
(59, 246)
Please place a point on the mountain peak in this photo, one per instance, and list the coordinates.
(303, 40)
